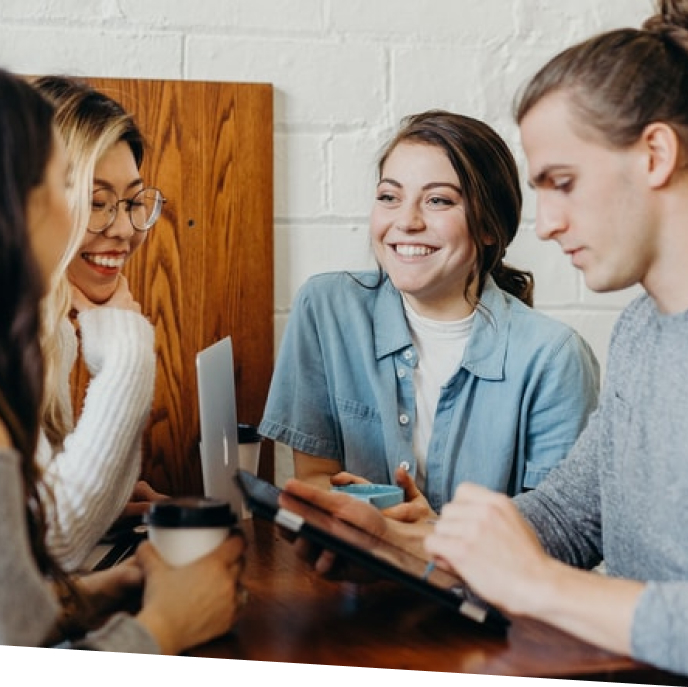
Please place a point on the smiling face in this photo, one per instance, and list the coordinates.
(419, 232)
(47, 214)
(98, 263)
(593, 200)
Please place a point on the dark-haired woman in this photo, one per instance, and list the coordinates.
(435, 370)
(40, 604)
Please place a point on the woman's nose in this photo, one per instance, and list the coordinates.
(410, 218)
(122, 226)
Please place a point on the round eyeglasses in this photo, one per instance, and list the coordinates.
(143, 208)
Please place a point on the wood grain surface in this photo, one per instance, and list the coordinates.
(295, 616)
(206, 269)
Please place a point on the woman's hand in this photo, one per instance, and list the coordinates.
(188, 605)
(107, 591)
(341, 479)
(415, 507)
(139, 503)
(101, 594)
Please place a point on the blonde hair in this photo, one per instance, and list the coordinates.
(90, 123)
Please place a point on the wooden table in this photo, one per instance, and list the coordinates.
(294, 616)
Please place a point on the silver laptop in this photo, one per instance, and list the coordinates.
(219, 449)
(218, 420)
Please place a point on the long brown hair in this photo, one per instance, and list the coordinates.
(620, 81)
(489, 180)
(26, 146)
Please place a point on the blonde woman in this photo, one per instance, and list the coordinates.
(93, 466)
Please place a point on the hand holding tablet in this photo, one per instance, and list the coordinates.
(365, 548)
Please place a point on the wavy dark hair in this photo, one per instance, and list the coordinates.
(26, 146)
(488, 176)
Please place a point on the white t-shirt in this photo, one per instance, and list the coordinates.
(440, 346)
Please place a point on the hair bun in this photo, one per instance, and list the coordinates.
(671, 16)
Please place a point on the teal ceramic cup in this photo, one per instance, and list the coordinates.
(379, 495)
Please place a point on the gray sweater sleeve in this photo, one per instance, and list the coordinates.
(565, 508)
(621, 492)
(120, 633)
(28, 608)
(659, 630)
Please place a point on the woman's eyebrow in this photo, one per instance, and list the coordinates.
(387, 180)
(425, 187)
(441, 184)
(107, 184)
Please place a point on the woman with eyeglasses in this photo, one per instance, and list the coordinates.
(171, 608)
(93, 465)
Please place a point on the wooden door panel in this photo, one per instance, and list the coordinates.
(206, 269)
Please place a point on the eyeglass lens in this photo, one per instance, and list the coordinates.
(143, 208)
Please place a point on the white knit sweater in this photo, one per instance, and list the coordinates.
(93, 477)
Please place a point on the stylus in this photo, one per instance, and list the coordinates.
(428, 569)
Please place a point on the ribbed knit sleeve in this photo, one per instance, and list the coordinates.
(93, 477)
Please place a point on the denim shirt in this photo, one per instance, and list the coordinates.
(343, 389)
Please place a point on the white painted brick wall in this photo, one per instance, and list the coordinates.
(344, 72)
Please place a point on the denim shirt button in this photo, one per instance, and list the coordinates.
(401, 373)
(408, 355)
(403, 419)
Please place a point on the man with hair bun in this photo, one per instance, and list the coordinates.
(604, 126)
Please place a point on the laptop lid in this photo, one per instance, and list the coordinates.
(219, 443)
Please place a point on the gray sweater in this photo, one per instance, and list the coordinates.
(28, 608)
(622, 494)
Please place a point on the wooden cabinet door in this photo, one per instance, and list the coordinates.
(206, 269)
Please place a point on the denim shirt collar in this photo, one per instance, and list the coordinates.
(485, 352)
(389, 321)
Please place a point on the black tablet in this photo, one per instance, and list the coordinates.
(367, 550)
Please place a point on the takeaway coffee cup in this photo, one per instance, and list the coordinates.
(184, 529)
(249, 453)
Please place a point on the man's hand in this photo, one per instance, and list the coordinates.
(343, 506)
(482, 536)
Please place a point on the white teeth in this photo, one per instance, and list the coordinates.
(413, 251)
(103, 260)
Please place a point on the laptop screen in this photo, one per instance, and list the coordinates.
(218, 422)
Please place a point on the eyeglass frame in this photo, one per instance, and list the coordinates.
(128, 209)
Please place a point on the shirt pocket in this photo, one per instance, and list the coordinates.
(363, 439)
